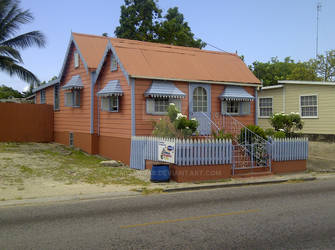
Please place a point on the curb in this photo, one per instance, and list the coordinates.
(170, 190)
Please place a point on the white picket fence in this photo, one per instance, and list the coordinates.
(187, 152)
(289, 149)
(211, 151)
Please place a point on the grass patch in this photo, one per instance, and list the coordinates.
(62, 164)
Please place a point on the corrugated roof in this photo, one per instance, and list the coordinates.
(113, 87)
(164, 89)
(162, 61)
(236, 93)
(48, 84)
(74, 83)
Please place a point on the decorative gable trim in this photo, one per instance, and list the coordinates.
(67, 56)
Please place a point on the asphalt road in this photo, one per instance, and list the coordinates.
(281, 216)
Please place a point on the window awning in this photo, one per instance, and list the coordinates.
(74, 83)
(236, 93)
(164, 89)
(112, 88)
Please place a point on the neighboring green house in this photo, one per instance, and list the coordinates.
(314, 101)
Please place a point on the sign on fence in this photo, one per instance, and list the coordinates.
(166, 151)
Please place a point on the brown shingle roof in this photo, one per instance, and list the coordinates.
(154, 60)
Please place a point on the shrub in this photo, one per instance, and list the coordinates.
(248, 138)
(287, 123)
(279, 134)
(269, 132)
(177, 125)
(221, 135)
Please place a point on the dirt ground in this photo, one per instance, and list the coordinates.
(321, 157)
(31, 170)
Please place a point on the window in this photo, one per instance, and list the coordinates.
(56, 97)
(199, 100)
(265, 107)
(113, 63)
(72, 99)
(110, 103)
(43, 98)
(235, 107)
(76, 59)
(309, 106)
(159, 106)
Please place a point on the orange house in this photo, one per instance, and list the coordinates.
(111, 89)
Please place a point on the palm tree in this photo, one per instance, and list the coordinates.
(11, 18)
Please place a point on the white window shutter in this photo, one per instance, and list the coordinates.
(76, 59)
(105, 103)
(150, 103)
(245, 108)
(223, 107)
(177, 103)
(76, 100)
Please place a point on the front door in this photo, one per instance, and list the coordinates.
(200, 106)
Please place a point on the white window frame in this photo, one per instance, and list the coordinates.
(241, 110)
(76, 59)
(170, 100)
(43, 98)
(238, 108)
(259, 106)
(198, 105)
(74, 98)
(317, 106)
(113, 63)
(110, 104)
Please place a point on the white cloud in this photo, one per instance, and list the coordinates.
(26, 88)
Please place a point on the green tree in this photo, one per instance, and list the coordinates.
(272, 71)
(8, 92)
(174, 30)
(141, 20)
(138, 20)
(11, 18)
(325, 65)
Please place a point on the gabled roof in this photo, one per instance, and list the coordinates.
(235, 93)
(113, 87)
(164, 89)
(161, 61)
(48, 84)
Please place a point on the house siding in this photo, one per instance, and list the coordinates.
(277, 104)
(324, 124)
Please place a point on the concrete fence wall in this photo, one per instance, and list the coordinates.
(23, 122)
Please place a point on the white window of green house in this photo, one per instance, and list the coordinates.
(265, 107)
(72, 99)
(110, 103)
(159, 106)
(309, 106)
(200, 100)
(42, 97)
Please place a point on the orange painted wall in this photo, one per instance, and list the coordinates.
(115, 124)
(68, 118)
(143, 120)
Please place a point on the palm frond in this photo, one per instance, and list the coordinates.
(11, 23)
(11, 52)
(10, 66)
(26, 40)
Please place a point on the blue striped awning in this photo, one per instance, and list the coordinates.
(113, 87)
(74, 83)
(164, 89)
(236, 93)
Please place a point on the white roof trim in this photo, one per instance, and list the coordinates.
(272, 87)
(307, 82)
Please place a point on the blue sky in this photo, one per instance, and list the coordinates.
(258, 29)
